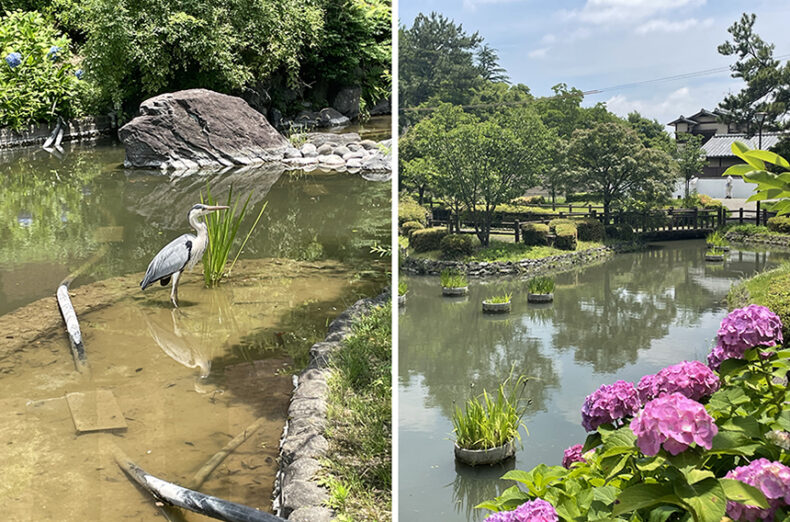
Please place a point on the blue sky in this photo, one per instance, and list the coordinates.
(597, 44)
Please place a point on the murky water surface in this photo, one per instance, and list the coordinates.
(185, 381)
(630, 316)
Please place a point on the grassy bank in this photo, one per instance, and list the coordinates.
(508, 251)
(771, 289)
(359, 422)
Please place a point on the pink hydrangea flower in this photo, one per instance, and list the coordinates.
(571, 455)
(537, 510)
(609, 403)
(673, 422)
(691, 378)
(715, 357)
(748, 327)
(772, 478)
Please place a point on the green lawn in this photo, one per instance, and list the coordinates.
(508, 251)
(359, 422)
(771, 289)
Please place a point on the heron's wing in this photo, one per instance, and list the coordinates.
(171, 259)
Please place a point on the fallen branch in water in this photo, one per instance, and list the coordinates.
(202, 474)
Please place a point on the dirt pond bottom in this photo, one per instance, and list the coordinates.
(186, 381)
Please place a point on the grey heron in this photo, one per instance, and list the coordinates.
(181, 254)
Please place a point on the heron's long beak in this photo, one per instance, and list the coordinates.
(216, 207)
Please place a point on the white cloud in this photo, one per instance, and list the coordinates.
(548, 39)
(664, 109)
(538, 53)
(607, 12)
(667, 26)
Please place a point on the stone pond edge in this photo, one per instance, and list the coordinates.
(759, 239)
(298, 495)
(415, 266)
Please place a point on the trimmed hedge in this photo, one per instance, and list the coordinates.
(779, 224)
(621, 232)
(535, 234)
(410, 226)
(454, 246)
(566, 236)
(525, 201)
(590, 230)
(582, 196)
(427, 239)
(409, 210)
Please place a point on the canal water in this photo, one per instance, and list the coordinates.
(629, 316)
(185, 381)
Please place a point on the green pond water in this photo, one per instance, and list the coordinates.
(185, 381)
(630, 316)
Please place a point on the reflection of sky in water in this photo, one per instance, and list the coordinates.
(25, 219)
(628, 317)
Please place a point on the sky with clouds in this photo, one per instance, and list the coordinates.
(603, 44)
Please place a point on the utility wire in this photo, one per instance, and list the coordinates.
(684, 76)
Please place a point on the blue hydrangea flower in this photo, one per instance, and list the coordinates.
(78, 73)
(13, 60)
(53, 52)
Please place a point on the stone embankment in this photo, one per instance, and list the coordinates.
(82, 129)
(299, 496)
(759, 239)
(525, 267)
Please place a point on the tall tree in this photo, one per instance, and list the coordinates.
(487, 163)
(651, 133)
(610, 160)
(437, 61)
(767, 79)
(488, 62)
(690, 157)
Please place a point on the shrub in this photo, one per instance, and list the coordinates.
(566, 237)
(561, 221)
(535, 234)
(747, 230)
(582, 196)
(410, 226)
(457, 245)
(427, 239)
(706, 201)
(525, 201)
(621, 232)
(37, 74)
(590, 230)
(409, 210)
(779, 224)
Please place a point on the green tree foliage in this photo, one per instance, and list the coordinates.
(651, 133)
(43, 85)
(355, 48)
(609, 159)
(767, 79)
(437, 61)
(488, 62)
(486, 163)
(690, 157)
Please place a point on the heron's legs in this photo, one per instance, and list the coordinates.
(174, 292)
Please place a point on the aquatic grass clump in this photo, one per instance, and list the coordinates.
(403, 287)
(222, 229)
(489, 421)
(499, 299)
(453, 278)
(716, 240)
(541, 285)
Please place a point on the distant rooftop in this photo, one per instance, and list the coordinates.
(720, 145)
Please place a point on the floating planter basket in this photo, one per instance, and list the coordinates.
(486, 456)
(496, 308)
(720, 247)
(714, 257)
(540, 298)
(455, 291)
(401, 300)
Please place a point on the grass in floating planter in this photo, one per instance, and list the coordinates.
(453, 279)
(716, 251)
(499, 299)
(716, 240)
(403, 287)
(491, 420)
(541, 285)
(358, 468)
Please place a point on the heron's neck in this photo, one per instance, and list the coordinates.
(199, 226)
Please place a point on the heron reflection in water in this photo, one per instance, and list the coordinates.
(195, 340)
(181, 254)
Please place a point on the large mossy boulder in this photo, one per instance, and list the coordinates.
(199, 128)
